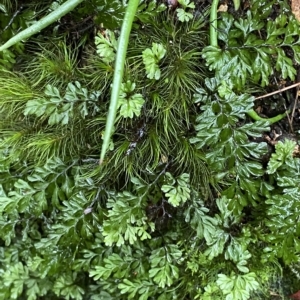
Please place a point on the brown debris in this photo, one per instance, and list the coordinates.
(295, 5)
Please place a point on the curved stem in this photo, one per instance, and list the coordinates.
(251, 113)
(118, 73)
(41, 24)
(214, 42)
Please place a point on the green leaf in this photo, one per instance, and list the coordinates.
(111, 265)
(186, 3)
(53, 92)
(146, 11)
(183, 16)
(246, 55)
(215, 57)
(132, 288)
(36, 107)
(130, 104)
(15, 277)
(285, 65)
(58, 109)
(180, 193)
(164, 276)
(237, 286)
(211, 291)
(238, 254)
(163, 269)
(262, 66)
(216, 244)
(64, 286)
(106, 45)
(126, 220)
(248, 24)
(205, 226)
(110, 14)
(151, 58)
(283, 153)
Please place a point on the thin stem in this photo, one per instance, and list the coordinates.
(12, 18)
(118, 73)
(214, 23)
(237, 4)
(278, 91)
(251, 113)
(41, 24)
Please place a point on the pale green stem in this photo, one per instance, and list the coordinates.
(237, 4)
(214, 23)
(214, 42)
(41, 24)
(118, 73)
(251, 113)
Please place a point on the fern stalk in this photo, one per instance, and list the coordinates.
(237, 4)
(251, 113)
(213, 23)
(41, 24)
(118, 73)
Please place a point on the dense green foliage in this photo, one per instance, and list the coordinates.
(187, 204)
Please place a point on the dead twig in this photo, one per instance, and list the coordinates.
(279, 91)
(290, 119)
(295, 104)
